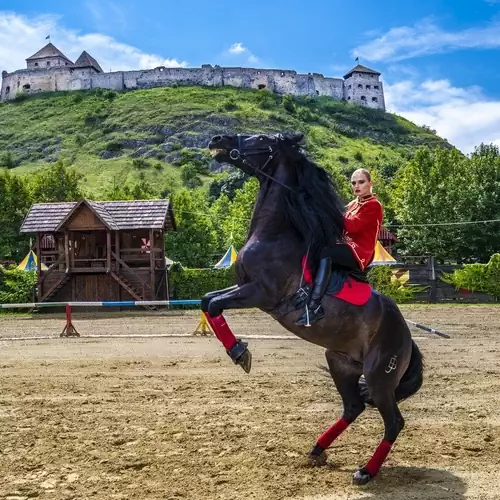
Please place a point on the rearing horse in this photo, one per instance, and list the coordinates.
(370, 353)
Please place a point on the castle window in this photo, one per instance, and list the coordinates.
(349, 98)
(363, 98)
(374, 99)
(26, 86)
(375, 87)
(36, 64)
(360, 86)
(368, 86)
(65, 64)
(7, 90)
(350, 86)
(48, 63)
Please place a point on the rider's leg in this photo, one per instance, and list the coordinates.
(314, 310)
(339, 255)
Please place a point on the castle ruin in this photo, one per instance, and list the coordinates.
(49, 70)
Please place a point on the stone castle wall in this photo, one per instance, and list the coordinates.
(279, 81)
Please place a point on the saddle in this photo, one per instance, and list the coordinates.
(352, 286)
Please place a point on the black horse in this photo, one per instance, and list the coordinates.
(370, 353)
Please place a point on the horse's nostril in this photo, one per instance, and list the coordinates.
(216, 138)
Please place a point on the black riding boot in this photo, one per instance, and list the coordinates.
(314, 310)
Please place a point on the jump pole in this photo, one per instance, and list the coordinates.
(428, 329)
(202, 328)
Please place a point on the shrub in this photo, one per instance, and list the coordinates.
(6, 160)
(80, 140)
(229, 105)
(266, 99)
(139, 163)
(288, 103)
(380, 280)
(477, 277)
(16, 286)
(358, 156)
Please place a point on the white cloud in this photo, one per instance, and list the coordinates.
(21, 37)
(238, 49)
(464, 116)
(425, 37)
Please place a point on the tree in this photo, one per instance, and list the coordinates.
(442, 186)
(14, 204)
(430, 189)
(194, 244)
(483, 185)
(57, 183)
(241, 210)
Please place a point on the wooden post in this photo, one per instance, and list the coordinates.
(39, 266)
(66, 248)
(117, 250)
(108, 249)
(163, 266)
(433, 280)
(152, 262)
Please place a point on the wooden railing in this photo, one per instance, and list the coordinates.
(130, 270)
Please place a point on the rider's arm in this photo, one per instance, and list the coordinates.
(369, 213)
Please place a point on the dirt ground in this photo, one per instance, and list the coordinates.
(173, 418)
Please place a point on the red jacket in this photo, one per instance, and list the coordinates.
(362, 220)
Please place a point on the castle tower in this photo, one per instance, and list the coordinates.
(87, 61)
(362, 86)
(48, 57)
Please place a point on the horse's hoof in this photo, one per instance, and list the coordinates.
(245, 361)
(316, 460)
(361, 477)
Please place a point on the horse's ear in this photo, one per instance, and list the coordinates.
(293, 139)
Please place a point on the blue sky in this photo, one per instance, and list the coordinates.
(440, 59)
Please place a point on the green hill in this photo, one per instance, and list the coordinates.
(156, 134)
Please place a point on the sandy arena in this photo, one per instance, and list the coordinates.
(173, 418)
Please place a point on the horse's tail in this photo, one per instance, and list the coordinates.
(410, 382)
(413, 377)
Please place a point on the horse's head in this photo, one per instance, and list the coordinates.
(253, 154)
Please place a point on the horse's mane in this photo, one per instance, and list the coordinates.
(314, 209)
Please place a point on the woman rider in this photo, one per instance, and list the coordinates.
(362, 221)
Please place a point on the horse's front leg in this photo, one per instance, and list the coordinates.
(247, 295)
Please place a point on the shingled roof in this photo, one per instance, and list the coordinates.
(116, 215)
(49, 50)
(361, 69)
(87, 61)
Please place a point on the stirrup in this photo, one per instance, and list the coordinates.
(311, 316)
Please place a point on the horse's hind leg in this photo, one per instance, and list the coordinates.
(382, 391)
(345, 374)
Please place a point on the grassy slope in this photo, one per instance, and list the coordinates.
(80, 126)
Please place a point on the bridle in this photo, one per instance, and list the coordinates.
(243, 154)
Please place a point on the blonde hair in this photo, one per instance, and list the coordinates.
(364, 172)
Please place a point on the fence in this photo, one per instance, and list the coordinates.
(424, 272)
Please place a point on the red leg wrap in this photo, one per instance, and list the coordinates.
(330, 435)
(375, 463)
(221, 330)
